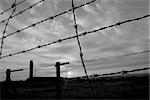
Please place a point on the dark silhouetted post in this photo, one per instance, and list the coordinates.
(31, 69)
(58, 87)
(9, 86)
(8, 75)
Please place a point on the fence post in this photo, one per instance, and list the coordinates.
(8, 72)
(58, 87)
(31, 69)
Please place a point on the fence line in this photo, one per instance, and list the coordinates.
(80, 49)
(30, 7)
(63, 39)
(42, 67)
(5, 28)
(105, 74)
(71, 37)
(120, 72)
(51, 17)
(12, 7)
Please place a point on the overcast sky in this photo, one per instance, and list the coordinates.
(128, 38)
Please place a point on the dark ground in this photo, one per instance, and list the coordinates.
(130, 87)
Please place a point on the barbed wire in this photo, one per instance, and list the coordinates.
(51, 17)
(80, 48)
(42, 67)
(124, 71)
(105, 74)
(30, 7)
(22, 69)
(6, 25)
(71, 37)
(12, 7)
(117, 61)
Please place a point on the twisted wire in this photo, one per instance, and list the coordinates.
(12, 7)
(80, 48)
(51, 17)
(134, 70)
(81, 34)
(30, 7)
(5, 28)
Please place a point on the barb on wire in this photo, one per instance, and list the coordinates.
(71, 37)
(30, 7)
(120, 72)
(5, 28)
(13, 70)
(12, 7)
(51, 17)
(80, 48)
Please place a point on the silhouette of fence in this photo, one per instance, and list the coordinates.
(80, 48)
(63, 39)
(124, 71)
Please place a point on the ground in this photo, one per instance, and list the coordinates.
(130, 87)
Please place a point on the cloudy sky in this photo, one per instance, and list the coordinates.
(97, 47)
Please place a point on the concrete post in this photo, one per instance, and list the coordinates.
(31, 69)
(58, 87)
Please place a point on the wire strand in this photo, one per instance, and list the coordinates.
(80, 49)
(30, 7)
(71, 37)
(5, 28)
(12, 7)
(134, 70)
(51, 17)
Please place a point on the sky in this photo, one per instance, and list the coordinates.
(100, 49)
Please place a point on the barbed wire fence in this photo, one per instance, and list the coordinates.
(6, 25)
(59, 40)
(12, 7)
(21, 12)
(46, 66)
(72, 37)
(123, 72)
(44, 20)
(80, 48)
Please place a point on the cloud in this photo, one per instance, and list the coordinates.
(35, 1)
(64, 49)
(82, 21)
(90, 9)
